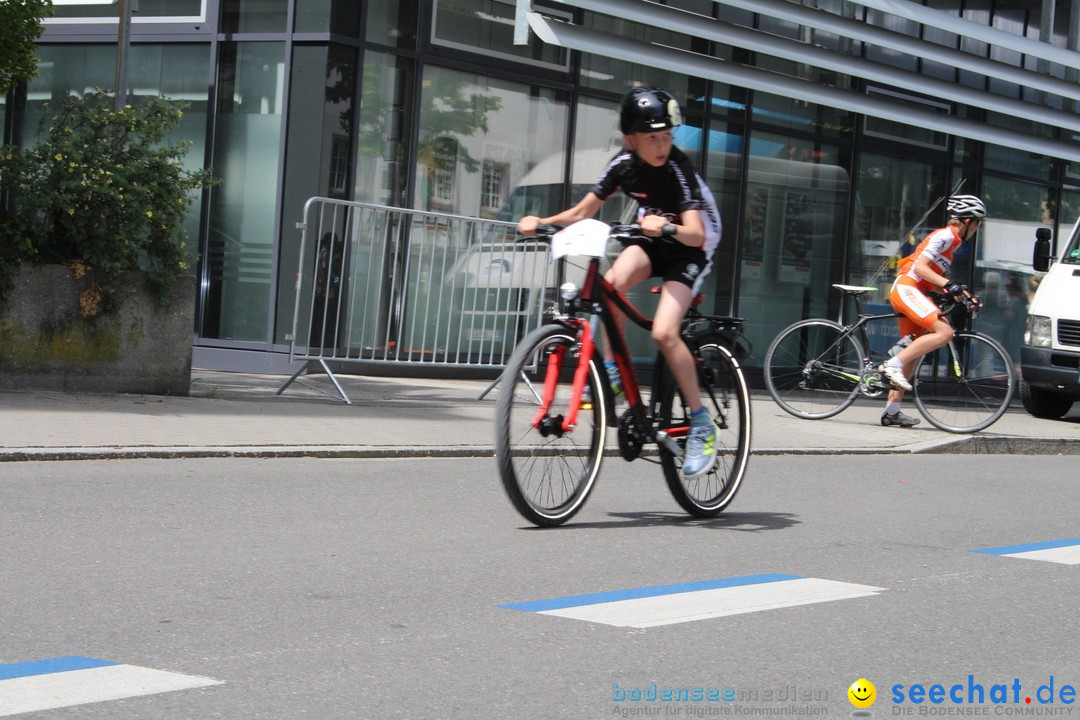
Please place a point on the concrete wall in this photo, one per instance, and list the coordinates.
(46, 345)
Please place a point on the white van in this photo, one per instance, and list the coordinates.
(1050, 356)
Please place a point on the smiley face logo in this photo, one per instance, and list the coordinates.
(862, 693)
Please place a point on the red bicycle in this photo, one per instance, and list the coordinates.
(551, 436)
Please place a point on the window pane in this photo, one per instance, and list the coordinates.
(144, 8)
(793, 234)
(723, 175)
(617, 75)
(392, 22)
(317, 156)
(242, 209)
(893, 196)
(63, 70)
(479, 137)
(888, 56)
(254, 16)
(180, 72)
(906, 132)
(793, 114)
(383, 126)
(341, 17)
(487, 26)
(596, 140)
(1069, 210)
(1021, 162)
(1003, 257)
(466, 119)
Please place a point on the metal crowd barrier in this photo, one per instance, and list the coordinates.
(392, 285)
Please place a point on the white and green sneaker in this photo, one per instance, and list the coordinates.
(616, 385)
(700, 450)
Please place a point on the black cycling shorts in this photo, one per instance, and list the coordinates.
(671, 260)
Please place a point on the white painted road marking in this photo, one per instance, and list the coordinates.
(63, 682)
(1065, 552)
(686, 602)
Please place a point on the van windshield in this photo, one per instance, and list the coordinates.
(1072, 253)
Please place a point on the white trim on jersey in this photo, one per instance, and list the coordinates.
(710, 218)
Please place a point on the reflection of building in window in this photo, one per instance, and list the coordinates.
(493, 186)
(445, 168)
(339, 165)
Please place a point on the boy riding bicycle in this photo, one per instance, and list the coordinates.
(678, 216)
(927, 270)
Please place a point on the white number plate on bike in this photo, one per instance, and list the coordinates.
(585, 237)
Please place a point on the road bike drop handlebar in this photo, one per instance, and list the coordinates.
(948, 304)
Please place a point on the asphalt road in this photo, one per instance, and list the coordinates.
(373, 588)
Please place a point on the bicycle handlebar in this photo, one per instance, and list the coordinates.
(622, 233)
(948, 304)
(545, 230)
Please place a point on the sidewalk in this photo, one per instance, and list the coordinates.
(233, 414)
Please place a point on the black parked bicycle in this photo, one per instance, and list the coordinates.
(816, 368)
(550, 436)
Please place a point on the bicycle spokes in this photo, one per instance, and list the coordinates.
(966, 385)
(813, 369)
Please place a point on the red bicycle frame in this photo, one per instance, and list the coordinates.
(596, 291)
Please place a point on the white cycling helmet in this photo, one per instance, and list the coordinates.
(966, 206)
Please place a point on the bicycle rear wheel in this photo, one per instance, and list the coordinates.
(547, 472)
(970, 394)
(812, 369)
(725, 394)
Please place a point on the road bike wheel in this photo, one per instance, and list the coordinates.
(547, 472)
(969, 395)
(726, 396)
(812, 369)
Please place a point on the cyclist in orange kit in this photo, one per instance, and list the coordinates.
(923, 271)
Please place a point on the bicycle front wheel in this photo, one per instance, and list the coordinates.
(547, 471)
(968, 391)
(725, 394)
(812, 369)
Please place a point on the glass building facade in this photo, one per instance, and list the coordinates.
(827, 129)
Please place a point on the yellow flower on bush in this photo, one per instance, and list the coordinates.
(149, 213)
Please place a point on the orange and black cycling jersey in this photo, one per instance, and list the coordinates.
(938, 247)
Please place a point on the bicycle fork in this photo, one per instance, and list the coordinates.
(555, 360)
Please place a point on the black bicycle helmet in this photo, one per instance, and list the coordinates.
(966, 206)
(648, 109)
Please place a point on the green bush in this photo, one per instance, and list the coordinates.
(101, 192)
(20, 27)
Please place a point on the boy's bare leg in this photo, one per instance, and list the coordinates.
(631, 267)
(674, 301)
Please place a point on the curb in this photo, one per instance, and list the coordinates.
(1009, 445)
(966, 445)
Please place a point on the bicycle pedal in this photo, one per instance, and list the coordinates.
(670, 443)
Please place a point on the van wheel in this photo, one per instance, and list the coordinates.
(1043, 403)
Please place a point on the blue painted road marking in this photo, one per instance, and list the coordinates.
(644, 592)
(1065, 552)
(685, 602)
(51, 665)
(74, 680)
